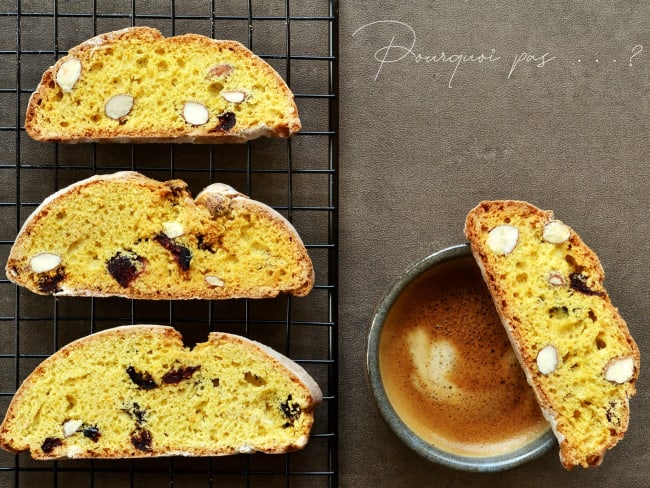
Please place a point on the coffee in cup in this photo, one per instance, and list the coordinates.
(447, 368)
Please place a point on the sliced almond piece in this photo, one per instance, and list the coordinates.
(213, 280)
(619, 370)
(234, 96)
(556, 232)
(173, 229)
(195, 113)
(547, 360)
(220, 70)
(556, 278)
(68, 74)
(503, 239)
(71, 426)
(118, 106)
(45, 261)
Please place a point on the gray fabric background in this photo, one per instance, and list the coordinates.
(417, 154)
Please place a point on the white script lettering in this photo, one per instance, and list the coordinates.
(530, 58)
(396, 51)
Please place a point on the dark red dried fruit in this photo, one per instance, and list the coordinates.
(143, 380)
(50, 443)
(579, 283)
(201, 244)
(141, 439)
(181, 254)
(125, 267)
(138, 413)
(178, 375)
(291, 410)
(49, 283)
(227, 121)
(92, 433)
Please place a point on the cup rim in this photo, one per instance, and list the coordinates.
(499, 462)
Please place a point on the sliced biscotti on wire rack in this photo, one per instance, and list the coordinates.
(136, 391)
(573, 344)
(135, 85)
(125, 234)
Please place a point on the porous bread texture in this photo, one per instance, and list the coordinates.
(244, 96)
(136, 391)
(127, 235)
(552, 294)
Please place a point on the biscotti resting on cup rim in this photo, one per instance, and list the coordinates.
(125, 234)
(136, 391)
(135, 85)
(572, 343)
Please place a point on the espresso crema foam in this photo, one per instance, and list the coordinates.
(449, 370)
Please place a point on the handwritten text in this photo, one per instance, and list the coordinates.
(397, 51)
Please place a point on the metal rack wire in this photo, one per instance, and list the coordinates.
(297, 177)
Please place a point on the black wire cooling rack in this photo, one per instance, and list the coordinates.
(297, 177)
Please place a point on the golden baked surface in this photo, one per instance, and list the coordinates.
(128, 235)
(573, 344)
(134, 85)
(136, 391)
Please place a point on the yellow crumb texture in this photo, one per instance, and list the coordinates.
(243, 95)
(136, 391)
(552, 294)
(128, 235)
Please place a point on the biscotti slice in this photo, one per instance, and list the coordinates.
(135, 85)
(136, 391)
(128, 235)
(572, 343)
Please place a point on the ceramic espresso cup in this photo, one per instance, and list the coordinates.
(443, 373)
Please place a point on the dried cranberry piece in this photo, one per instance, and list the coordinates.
(201, 244)
(143, 380)
(181, 254)
(125, 268)
(91, 432)
(49, 283)
(178, 375)
(50, 443)
(138, 413)
(579, 283)
(227, 121)
(141, 439)
(291, 410)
